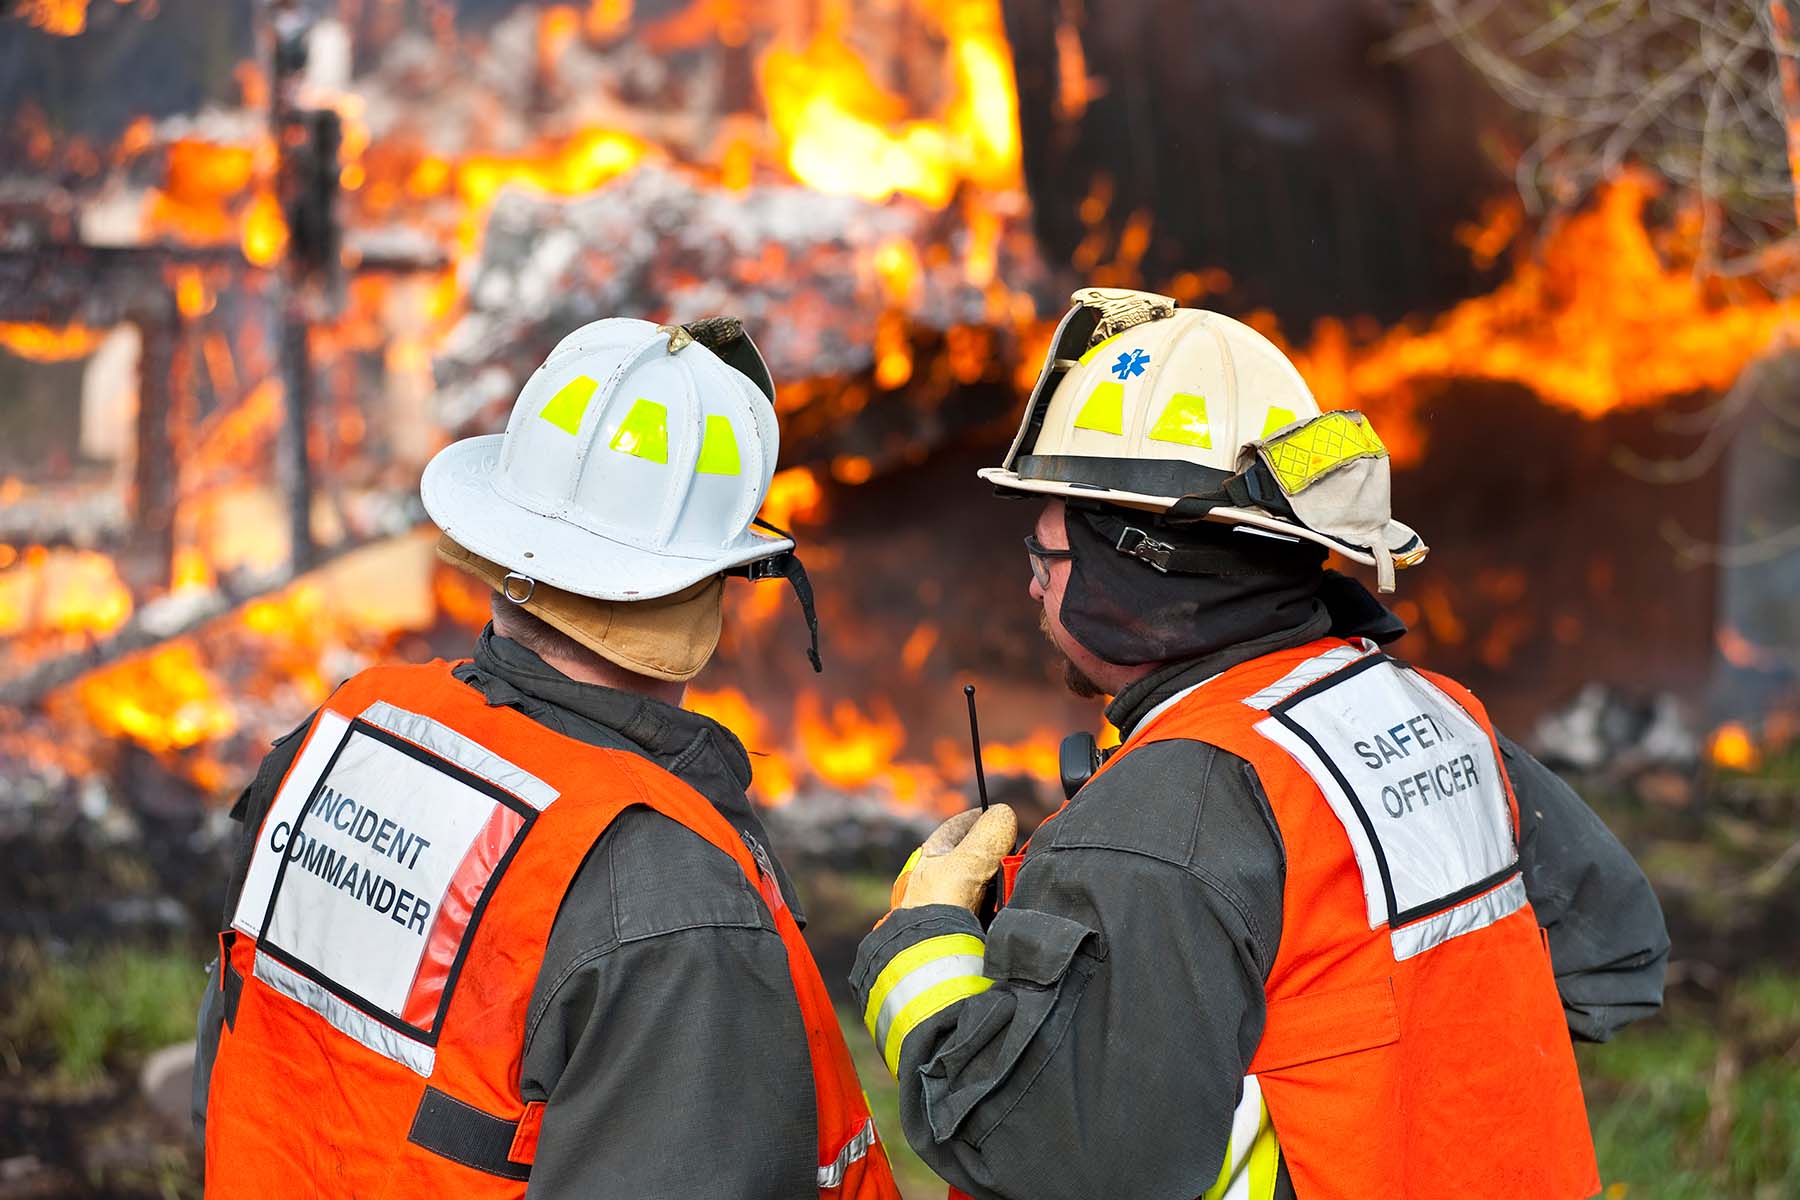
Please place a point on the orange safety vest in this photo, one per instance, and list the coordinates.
(392, 925)
(1415, 1046)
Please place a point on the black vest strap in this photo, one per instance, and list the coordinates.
(463, 1133)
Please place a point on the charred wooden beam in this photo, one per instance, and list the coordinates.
(67, 283)
(159, 621)
(154, 469)
(294, 458)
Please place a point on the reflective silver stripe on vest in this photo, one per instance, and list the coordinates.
(349, 1021)
(1304, 675)
(832, 1173)
(1478, 913)
(465, 752)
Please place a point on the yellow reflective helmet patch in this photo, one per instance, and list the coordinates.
(1320, 446)
(565, 409)
(644, 432)
(1279, 418)
(1104, 409)
(1184, 422)
(718, 449)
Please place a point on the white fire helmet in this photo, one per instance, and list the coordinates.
(633, 466)
(1193, 415)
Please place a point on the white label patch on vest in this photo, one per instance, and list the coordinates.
(1415, 782)
(373, 863)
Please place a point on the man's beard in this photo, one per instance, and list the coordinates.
(1074, 678)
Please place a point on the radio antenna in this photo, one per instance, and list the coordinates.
(975, 745)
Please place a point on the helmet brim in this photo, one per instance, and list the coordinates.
(460, 492)
(1000, 477)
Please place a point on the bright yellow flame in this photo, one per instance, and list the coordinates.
(849, 750)
(62, 591)
(265, 231)
(844, 133)
(164, 700)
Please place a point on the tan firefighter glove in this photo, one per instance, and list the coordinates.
(958, 859)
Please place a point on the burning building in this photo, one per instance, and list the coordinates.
(277, 303)
(258, 263)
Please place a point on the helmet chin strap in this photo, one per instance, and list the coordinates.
(786, 565)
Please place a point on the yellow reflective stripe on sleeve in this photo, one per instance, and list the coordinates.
(914, 973)
(1104, 409)
(905, 962)
(644, 432)
(565, 409)
(929, 1003)
(1184, 422)
(718, 449)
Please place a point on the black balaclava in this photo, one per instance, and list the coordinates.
(1127, 612)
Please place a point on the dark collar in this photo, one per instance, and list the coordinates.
(1136, 699)
(672, 737)
(1349, 611)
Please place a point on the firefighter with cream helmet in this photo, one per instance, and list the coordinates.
(1289, 939)
(1194, 415)
(510, 925)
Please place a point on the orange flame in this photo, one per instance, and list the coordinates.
(1733, 748)
(794, 498)
(1604, 317)
(49, 343)
(64, 18)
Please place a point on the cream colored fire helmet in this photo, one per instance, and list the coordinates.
(1195, 416)
(633, 467)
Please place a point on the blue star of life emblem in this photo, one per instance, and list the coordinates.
(1130, 364)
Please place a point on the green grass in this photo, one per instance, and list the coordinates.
(80, 1016)
(1703, 1105)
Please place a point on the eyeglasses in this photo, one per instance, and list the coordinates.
(1040, 554)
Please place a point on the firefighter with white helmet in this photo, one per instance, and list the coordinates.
(1289, 940)
(509, 925)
